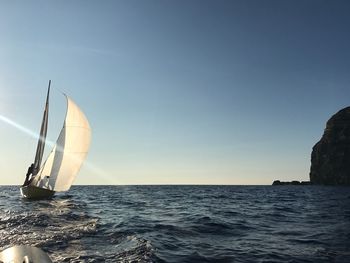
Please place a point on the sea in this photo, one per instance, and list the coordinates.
(182, 223)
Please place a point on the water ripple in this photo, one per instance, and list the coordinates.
(182, 224)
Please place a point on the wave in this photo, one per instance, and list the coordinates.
(182, 224)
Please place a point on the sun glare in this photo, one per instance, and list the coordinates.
(91, 167)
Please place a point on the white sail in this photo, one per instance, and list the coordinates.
(66, 158)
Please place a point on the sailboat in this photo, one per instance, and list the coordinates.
(64, 161)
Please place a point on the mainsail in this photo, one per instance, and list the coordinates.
(67, 156)
(43, 131)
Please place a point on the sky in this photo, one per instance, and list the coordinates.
(176, 92)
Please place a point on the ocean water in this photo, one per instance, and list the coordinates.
(182, 223)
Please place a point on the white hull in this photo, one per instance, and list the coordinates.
(33, 192)
(24, 254)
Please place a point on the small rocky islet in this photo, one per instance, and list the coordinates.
(278, 182)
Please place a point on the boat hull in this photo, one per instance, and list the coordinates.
(24, 254)
(33, 192)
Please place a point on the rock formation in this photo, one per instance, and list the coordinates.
(278, 182)
(330, 157)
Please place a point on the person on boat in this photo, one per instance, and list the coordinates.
(29, 172)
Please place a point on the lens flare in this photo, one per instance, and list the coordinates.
(23, 129)
(91, 167)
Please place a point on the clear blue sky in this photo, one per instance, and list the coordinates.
(199, 92)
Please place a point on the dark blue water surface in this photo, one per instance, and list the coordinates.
(182, 223)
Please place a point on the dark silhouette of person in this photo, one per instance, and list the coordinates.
(29, 172)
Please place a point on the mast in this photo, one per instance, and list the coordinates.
(43, 131)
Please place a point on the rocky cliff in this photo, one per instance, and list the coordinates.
(330, 157)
